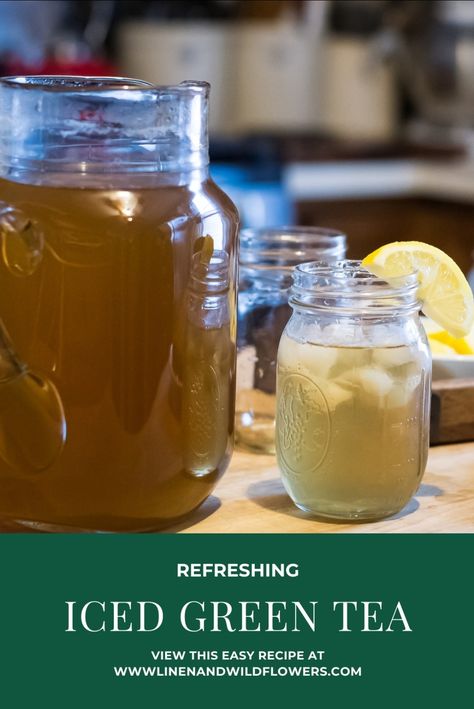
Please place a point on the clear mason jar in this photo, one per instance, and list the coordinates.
(267, 258)
(354, 375)
(117, 304)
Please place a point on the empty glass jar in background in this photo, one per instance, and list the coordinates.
(267, 258)
(354, 371)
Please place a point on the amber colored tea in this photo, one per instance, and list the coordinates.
(126, 354)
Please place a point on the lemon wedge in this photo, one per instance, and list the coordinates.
(444, 291)
(441, 342)
(460, 345)
(438, 348)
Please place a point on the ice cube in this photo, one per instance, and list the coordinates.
(349, 379)
(375, 381)
(402, 392)
(286, 351)
(392, 356)
(340, 333)
(318, 360)
(336, 394)
(313, 360)
(413, 382)
(350, 359)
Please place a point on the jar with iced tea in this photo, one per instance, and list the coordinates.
(117, 304)
(353, 393)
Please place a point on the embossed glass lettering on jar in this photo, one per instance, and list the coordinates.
(353, 393)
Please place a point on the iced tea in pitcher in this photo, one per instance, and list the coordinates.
(117, 298)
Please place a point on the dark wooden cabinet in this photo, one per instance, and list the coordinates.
(369, 223)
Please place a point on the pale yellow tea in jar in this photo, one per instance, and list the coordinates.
(352, 435)
(352, 427)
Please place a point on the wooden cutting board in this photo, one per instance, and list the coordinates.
(452, 411)
(251, 498)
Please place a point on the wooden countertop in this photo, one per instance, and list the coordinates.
(251, 498)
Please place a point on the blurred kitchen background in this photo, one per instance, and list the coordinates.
(354, 114)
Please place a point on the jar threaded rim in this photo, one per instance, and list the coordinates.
(345, 286)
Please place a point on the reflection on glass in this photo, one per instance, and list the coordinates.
(205, 350)
(32, 422)
(21, 241)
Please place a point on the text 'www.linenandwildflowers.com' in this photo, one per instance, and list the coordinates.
(235, 671)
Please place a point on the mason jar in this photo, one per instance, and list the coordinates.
(354, 375)
(267, 258)
(117, 304)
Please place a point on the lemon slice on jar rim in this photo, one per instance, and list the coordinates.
(444, 291)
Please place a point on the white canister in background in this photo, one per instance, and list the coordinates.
(171, 52)
(359, 96)
(277, 76)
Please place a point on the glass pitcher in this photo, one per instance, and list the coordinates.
(117, 304)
